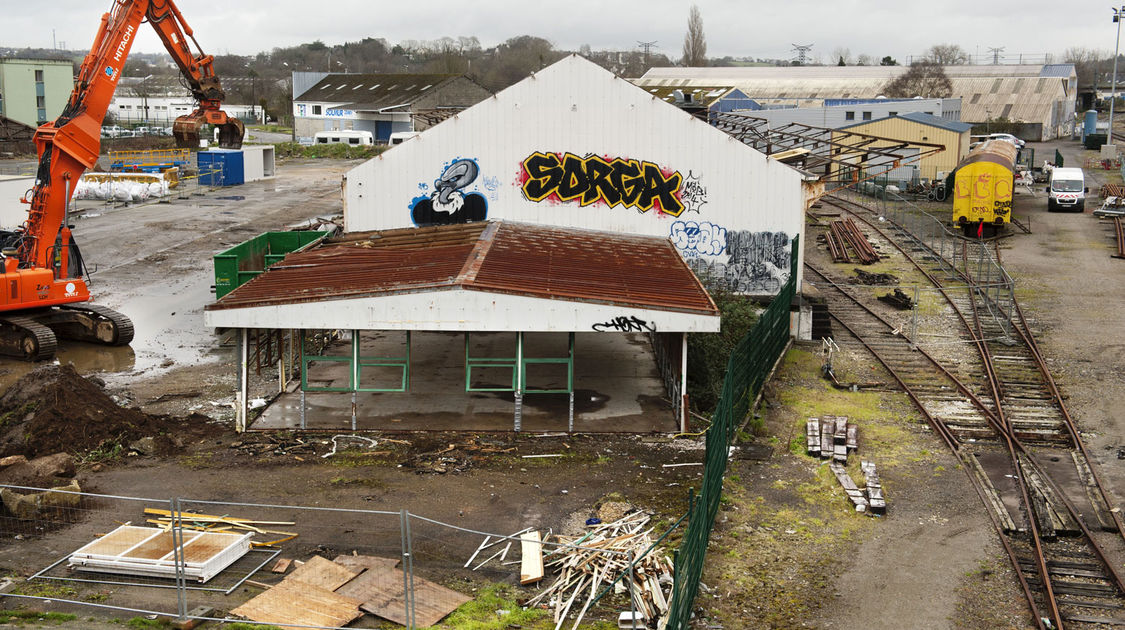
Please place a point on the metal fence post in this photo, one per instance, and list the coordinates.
(632, 599)
(178, 559)
(407, 567)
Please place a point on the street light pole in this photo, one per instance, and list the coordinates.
(1118, 14)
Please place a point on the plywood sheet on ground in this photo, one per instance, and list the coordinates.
(322, 573)
(366, 562)
(381, 590)
(301, 604)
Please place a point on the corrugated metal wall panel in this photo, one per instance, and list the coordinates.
(957, 144)
(729, 191)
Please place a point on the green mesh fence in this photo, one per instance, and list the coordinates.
(747, 369)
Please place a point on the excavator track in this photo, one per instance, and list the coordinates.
(27, 339)
(122, 326)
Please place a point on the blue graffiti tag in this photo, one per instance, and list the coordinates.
(698, 238)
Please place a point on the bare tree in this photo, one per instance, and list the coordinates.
(947, 55)
(843, 56)
(1087, 63)
(695, 42)
(924, 78)
(865, 60)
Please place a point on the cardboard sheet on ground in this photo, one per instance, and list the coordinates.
(298, 603)
(380, 588)
(322, 573)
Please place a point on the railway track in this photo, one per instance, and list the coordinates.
(1000, 411)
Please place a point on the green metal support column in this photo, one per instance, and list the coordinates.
(519, 382)
(355, 373)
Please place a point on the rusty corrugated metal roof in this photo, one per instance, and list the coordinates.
(499, 257)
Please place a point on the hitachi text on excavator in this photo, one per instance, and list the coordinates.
(43, 287)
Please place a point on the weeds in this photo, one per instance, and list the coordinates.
(20, 617)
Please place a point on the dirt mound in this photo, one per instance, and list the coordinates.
(54, 409)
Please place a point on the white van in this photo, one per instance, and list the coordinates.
(399, 137)
(1067, 190)
(357, 138)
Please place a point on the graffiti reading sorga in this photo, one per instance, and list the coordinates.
(594, 179)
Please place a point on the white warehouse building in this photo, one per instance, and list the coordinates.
(541, 243)
(576, 146)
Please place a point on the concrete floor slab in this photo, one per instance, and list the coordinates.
(617, 387)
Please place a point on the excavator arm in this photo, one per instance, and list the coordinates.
(170, 25)
(70, 145)
(43, 293)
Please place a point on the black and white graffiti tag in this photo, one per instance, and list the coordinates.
(625, 324)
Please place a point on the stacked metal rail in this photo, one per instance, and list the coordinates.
(845, 233)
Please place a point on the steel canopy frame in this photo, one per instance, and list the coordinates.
(829, 153)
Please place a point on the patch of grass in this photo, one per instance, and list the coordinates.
(107, 451)
(143, 622)
(45, 589)
(271, 128)
(480, 613)
(357, 459)
(21, 617)
(17, 414)
(365, 482)
(196, 462)
(333, 151)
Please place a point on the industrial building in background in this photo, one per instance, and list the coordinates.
(33, 91)
(380, 103)
(922, 127)
(1041, 97)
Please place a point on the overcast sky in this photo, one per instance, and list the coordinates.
(732, 27)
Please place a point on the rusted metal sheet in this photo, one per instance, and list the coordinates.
(500, 257)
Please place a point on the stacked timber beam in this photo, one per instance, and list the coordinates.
(834, 438)
(599, 559)
(831, 437)
(846, 233)
(215, 523)
(1120, 232)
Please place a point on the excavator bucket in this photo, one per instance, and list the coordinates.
(187, 131)
(231, 133)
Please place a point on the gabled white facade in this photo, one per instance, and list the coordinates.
(576, 146)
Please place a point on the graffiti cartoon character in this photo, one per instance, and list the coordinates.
(448, 203)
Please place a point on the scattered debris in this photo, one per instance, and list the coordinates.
(868, 278)
(598, 560)
(343, 436)
(897, 299)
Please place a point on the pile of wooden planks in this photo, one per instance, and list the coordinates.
(831, 437)
(875, 500)
(599, 558)
(834, 438)
(220, 523)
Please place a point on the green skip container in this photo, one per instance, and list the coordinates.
(239, 264)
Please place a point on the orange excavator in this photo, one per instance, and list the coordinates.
(43, 292)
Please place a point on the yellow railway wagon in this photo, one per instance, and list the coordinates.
(982, 188)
